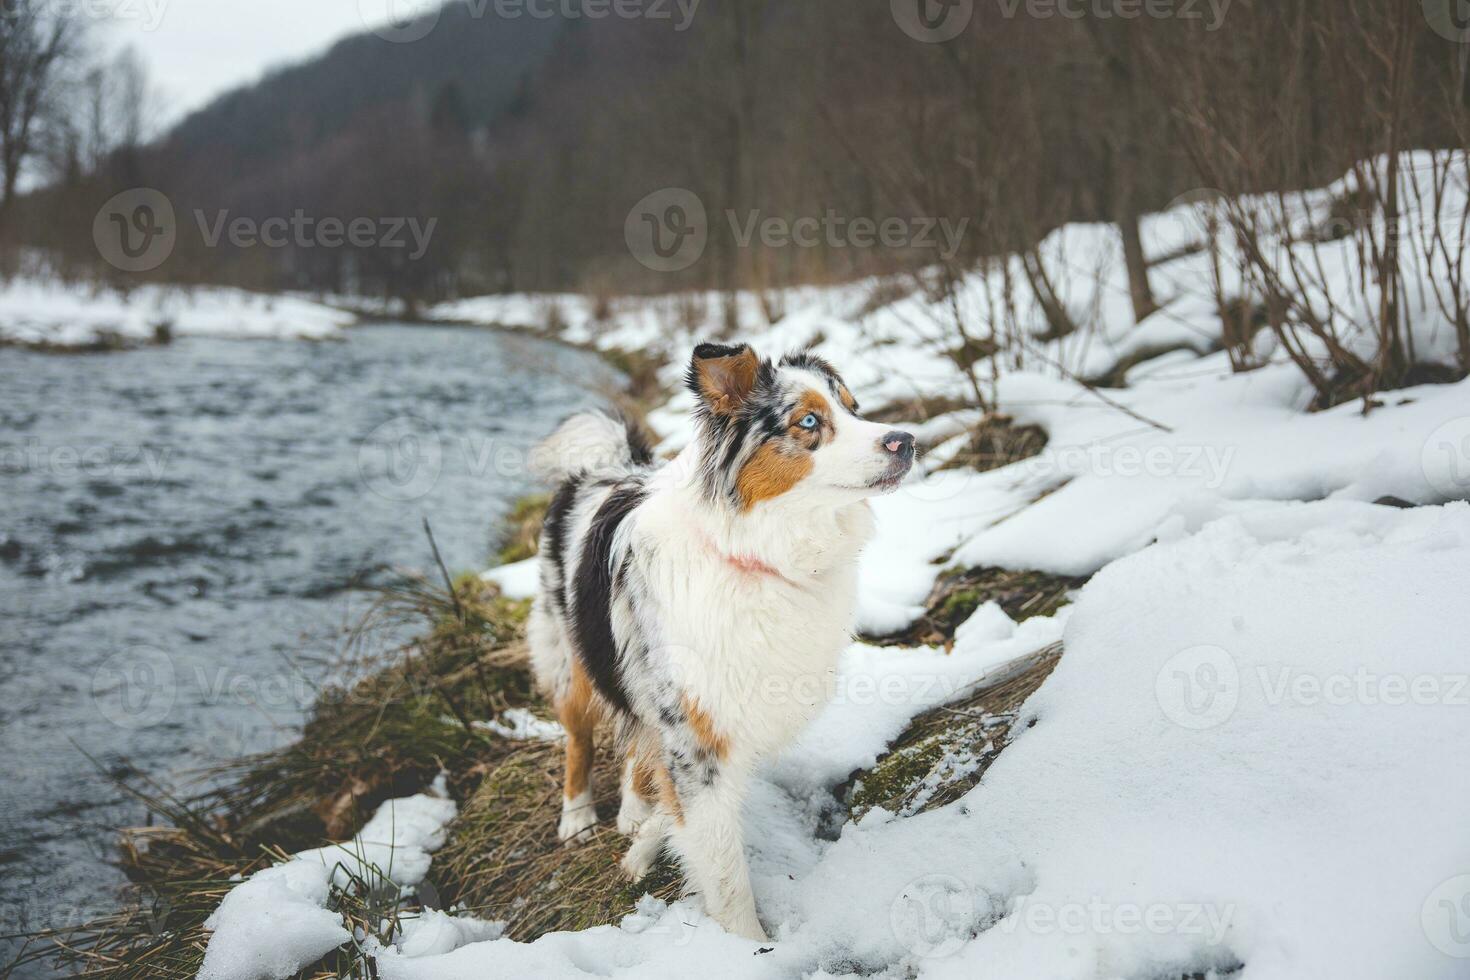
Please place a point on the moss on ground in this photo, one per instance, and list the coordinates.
(521, 530)
(959, 592)
(945, 752)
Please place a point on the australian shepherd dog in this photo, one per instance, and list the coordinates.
(702, 604)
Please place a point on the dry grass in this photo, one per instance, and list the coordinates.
(504, 861)
(998, 441)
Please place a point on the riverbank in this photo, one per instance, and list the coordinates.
(1156, 679)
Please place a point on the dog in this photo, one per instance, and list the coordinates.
(702, 604)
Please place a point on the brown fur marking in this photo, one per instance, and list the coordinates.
(645, 782)
(668, 797)
(815, 403)
(770, 473)
(726, 381)
(704, 729)
(848, 402)
(578, 713)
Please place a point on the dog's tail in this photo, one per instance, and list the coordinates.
(591, 442)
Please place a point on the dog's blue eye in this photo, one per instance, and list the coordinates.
(809, 421)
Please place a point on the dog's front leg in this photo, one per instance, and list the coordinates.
(710, 841)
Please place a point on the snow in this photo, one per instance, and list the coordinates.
(276, 922)
(1300, 824)
(1248, 760)
(518, 580)
(434, 933)
(391, 853)
(273, 924)
(519, 724)
(43, 311)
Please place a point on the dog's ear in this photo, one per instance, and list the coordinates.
(723, 377)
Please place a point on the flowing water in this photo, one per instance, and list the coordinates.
(184, 532)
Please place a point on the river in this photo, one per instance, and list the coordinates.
(184, 531)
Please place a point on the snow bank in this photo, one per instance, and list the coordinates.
(1248, 755)
(54, 314)
(276, 922)
(1236, 439)
(273, 924)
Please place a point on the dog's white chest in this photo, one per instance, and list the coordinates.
(760, 657)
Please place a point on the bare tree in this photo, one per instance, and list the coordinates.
(37, 37)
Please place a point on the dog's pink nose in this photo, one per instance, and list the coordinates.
(901, 444)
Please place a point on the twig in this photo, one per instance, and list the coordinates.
(448, 582)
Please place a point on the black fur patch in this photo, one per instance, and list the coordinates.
(592, 631)
(638, 448)
(554, 535)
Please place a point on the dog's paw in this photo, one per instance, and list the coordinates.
(577, 820)
(746, 926)
(632, 813)
(638, 862)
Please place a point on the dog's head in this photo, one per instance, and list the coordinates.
(788, 431)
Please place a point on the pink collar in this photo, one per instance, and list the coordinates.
(746, 564)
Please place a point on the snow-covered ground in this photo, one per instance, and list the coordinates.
(48, 312)
(1249, 760)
